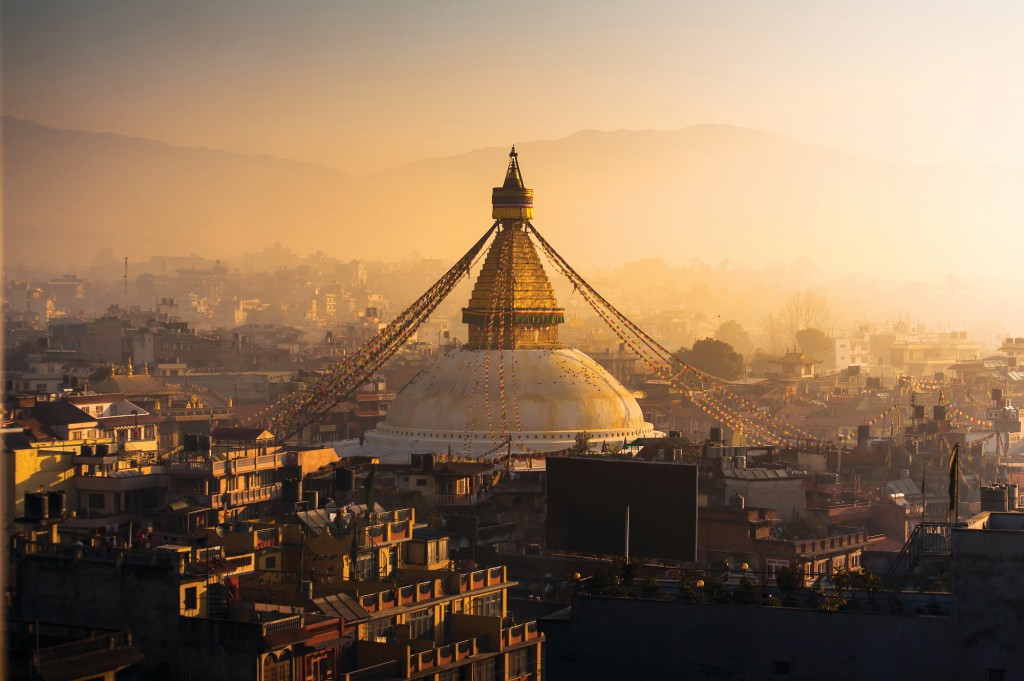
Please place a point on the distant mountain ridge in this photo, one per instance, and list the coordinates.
(711, 191)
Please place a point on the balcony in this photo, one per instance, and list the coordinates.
(519, 634)
(471, 581)
(198, 466)
(244, 497)
(386, 533)
(404, 596)
(462, 499)
(440, 657)
(379, 672)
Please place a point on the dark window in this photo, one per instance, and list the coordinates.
(421, 482)
(421, 624)
(96, 501)
(191, 598)
(780, 667)
(364, 566)
(271, 562)
(484, 670)
(517, 663)
(381, 628)
(488, 605)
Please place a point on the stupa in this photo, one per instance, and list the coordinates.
(513, 384)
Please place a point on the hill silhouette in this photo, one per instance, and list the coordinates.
(712, 192)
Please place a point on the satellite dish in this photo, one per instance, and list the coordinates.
(221, 530)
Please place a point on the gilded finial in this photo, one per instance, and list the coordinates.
(512, 200)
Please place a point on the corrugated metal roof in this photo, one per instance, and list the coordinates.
(907, 488)
(343, 606)
(758, 474)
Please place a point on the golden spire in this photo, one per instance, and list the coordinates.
(512, 200)
(513, 304)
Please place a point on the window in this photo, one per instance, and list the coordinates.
(517, 663)
(380, 629)
(364, 566)
(421, 482)
(421, 624)
(96, 501)
(780, 667)
(488, 605)
(484, 670)
(270, 563)
(321, 667)
(277, 669)
(191, 598)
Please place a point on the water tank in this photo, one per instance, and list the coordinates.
(994, 499)
(37, 506)
(863, 433)
(918, 411)
(313, 497)
(716, 434)
(58, 503)
(291, 491)
(1012, 497)
(939, 412)
(739, 461)
(737, 502)
(344, 479)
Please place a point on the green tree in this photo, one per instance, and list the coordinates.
(582, 445)
(814, 343)
(734, 334)
(715, 357)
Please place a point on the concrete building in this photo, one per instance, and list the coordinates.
(971, 632)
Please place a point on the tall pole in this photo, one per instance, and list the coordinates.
(627, 534)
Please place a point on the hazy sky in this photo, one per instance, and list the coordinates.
(365, 86)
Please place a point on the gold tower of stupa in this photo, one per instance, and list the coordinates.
(513, 304)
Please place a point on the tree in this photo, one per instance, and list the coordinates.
(789, 578)
(715, 357)
(582, 445)
(803, 310)
(815, 343)
(734, 334)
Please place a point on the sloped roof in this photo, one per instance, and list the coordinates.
(758, 474)
(343, 606)
(795, 357)
(239, 434)
(60, 413)
(133, 385)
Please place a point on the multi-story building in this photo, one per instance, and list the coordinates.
(233, 471)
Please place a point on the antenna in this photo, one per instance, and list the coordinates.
(126, 282)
